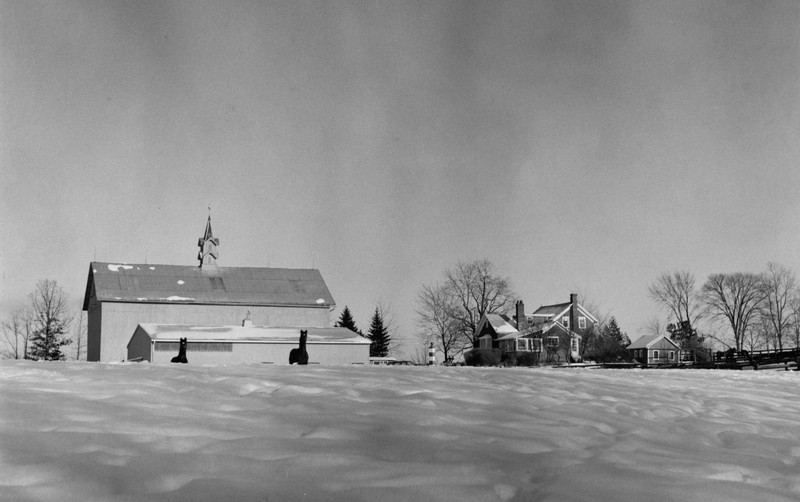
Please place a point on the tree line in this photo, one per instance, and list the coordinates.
(740, 310)
(41, 329)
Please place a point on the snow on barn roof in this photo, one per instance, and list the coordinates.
(214, 285)
(174, 332)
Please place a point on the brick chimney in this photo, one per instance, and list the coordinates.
(573, 312)
(522, 321)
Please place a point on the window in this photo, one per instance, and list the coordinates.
(522, 345)
(582, 322)
(655, 354)
(552, 342)
(671, 355)
(575, 345)
(565, 321)
(485, 342)
(537, 344)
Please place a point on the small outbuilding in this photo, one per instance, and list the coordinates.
(159, 343)
(655, 350)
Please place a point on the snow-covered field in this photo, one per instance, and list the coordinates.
(111, 432)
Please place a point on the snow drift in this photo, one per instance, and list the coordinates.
(125, 432)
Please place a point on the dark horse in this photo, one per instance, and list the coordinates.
(299, 355)
(181, 357)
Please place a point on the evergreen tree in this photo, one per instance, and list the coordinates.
(606, 344)
(379, 336)
(615, 342)
(688, 339)
(612, 331)
(346, 321)
(51, 321)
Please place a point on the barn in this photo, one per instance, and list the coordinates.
(120, 296)
(159, 343)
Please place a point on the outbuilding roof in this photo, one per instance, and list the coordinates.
(150, 283)
(174, 332)
(644, 342)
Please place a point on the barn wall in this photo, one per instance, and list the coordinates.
(329, 354)
(119, 321)
(93, 325)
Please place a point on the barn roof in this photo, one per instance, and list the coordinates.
(174, 332)
(150, 283)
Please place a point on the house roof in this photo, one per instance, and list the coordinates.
(644, 342)
(174, 332)
(560, 309)
(551, 310)
(150, 283)
(539, 330)
(501, 323)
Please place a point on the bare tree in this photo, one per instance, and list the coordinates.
(676, 293)
(735, 298)
(796, 323)
(655, 326)
(752, 339)
(420, 356)
(17, 333)
(436, 319)
(51, 321)
(761, 335)
(779, 290)
(79, 335)
(477, 291)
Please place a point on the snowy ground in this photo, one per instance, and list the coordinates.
(113, 432)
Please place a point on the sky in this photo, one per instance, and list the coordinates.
(187, 432)
(580, 146)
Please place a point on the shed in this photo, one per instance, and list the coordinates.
(655, 350)
(159, 343)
